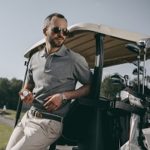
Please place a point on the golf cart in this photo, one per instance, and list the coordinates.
(91, 123)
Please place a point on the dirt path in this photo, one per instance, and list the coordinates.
(7, 121)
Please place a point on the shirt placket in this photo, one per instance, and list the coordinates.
(48, 63)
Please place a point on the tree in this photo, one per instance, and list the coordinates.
(4, 90)
(9, 92)
(14, 90)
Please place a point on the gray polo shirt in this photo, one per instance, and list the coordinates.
(56, 73)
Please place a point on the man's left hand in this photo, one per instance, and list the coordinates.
(53, 102)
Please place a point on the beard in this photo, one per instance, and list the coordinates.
(56, 42)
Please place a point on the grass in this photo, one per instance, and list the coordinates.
(5, 132)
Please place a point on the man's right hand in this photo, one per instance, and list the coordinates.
(26, 96)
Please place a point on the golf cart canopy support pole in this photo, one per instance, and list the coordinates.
(99, 144)
(98, 69)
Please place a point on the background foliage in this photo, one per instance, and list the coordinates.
(9, 90)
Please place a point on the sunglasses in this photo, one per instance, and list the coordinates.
(59, 30)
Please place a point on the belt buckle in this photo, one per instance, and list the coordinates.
(38, 114)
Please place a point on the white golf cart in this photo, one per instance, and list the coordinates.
(93, 122)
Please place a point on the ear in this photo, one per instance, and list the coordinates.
(44, 31)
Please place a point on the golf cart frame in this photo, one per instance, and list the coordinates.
(102, 46)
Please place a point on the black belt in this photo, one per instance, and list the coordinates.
(46, 115)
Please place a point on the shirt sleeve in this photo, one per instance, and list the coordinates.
(82, 71)
(29, 77)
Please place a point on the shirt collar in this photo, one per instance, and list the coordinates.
(60, 52)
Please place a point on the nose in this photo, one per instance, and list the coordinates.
(61, 33)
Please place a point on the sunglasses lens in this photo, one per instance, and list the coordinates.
(58, 30)
(65, 32)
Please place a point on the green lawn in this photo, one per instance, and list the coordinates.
(5, 132)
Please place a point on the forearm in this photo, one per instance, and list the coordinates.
(80, 92)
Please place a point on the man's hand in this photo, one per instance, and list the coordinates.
(53, 102)
(26, 96)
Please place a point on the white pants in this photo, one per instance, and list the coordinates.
(34, 133)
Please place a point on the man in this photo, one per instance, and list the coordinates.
(50, 86)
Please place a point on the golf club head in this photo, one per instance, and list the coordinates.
(133, 48)
(135, 63)
(117, 79)
(126, 77)
(144, 43)
(135, 71)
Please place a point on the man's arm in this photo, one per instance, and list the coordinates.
(53, 102)
(80, 92)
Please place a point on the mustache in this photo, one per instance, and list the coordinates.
(60, 37)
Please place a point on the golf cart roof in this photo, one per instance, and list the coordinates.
(82, 40)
